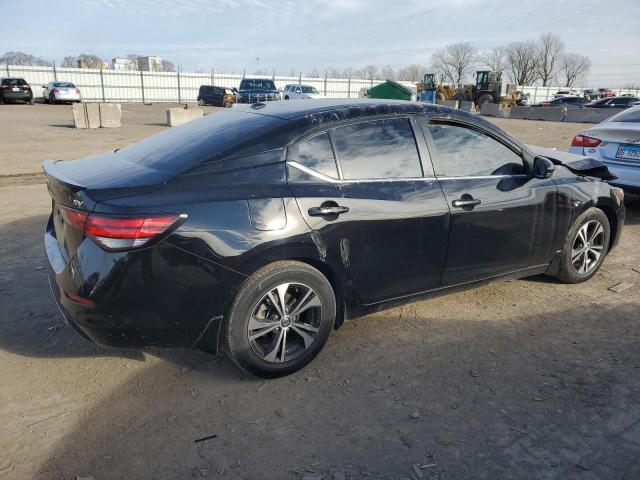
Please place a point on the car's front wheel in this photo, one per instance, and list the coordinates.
(280, 319)
(585, 247)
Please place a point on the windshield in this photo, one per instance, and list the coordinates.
(64, 84)
(257, 85)
(632, 116)
(309, 90)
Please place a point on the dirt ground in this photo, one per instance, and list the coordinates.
(518, 380)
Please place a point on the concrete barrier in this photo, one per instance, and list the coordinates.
(178, 116)
(93, 115)
(448, 103)
(550, 114)
(590, 115)
(465, 105)
(491, 110)
(520, 112)
(110, 115)
(79, 115)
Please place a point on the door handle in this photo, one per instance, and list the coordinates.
(326, 211)
(466, 201)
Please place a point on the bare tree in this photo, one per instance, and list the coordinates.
(412, 73)
(550, 51)
(21, 58)
(331, 72)
(388, 73)
(574, 68)
(69, 62)
(454, 61)
(522, 62)
(370, 71)
(86, 60)
(165, 66)
(494, 59)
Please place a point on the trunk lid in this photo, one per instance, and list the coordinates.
(83, 183)
(612, 135)
(79, 185)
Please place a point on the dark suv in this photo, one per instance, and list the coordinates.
(216, 96)
(257, 90)
(15, 89)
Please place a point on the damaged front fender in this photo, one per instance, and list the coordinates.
(577, 164)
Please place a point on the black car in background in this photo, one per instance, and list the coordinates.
(566, 102)
(257, 230)
(257, 90)
(15, 90)
(614, 102)
(216, 96)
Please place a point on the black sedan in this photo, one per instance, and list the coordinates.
(613, 102)
(258, 230)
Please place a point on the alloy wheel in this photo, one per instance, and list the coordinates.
(587, 247)
(285, 322)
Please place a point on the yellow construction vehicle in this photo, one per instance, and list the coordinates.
(430, 91)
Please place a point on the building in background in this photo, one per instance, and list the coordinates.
(124, 64)
(150, 64)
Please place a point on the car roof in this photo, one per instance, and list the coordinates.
(292, 109)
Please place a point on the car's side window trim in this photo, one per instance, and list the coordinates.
(437, 161)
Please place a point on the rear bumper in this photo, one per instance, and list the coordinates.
(61, 97)
(158, 296)
(23, 95)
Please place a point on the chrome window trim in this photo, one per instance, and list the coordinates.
(325, 178)
(328, 179)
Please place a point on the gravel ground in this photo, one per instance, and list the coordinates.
(523, 379)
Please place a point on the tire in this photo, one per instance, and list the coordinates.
(286, 97)
(52, 99)
(255, 313)
(201, 102)
(485, 98)
(32, 101)
(575, 267)
(1, 99)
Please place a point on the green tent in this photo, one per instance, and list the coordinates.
(391, 90)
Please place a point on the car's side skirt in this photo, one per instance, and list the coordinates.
(445, 290)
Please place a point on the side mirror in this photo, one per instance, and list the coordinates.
(543, 167)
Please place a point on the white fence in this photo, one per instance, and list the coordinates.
(133, 86)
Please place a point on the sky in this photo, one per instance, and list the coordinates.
(299, 36)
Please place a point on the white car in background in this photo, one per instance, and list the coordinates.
(616, 142)
(566, 93)
(55, 92)
(296, 92)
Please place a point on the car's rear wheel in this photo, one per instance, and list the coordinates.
(585, 247)
(280, 319)
(1, 99)
(200, 102)
(32, 101)
(52, 99)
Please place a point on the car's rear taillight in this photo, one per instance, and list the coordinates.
(78, 91)
(122, 233)
(584, 141)
(55, 90)
(26, 86)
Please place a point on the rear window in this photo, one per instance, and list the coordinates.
(214, 137)
(629, 116)
(257, 85)
(309, 90)
(64, 85)
(378, 149)
(13, 81)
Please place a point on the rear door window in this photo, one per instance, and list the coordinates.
(378, 149)
(464, 152)
(316, 153)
